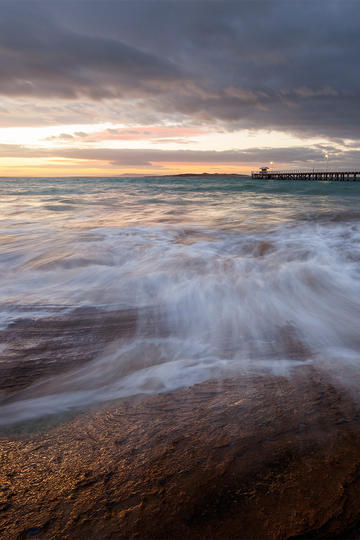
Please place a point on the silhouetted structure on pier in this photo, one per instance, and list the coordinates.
(339, 176)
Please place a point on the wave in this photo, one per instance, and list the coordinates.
(218, 303)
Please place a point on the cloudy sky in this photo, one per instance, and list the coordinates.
(157, 87)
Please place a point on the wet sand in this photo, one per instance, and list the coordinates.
(252, 457)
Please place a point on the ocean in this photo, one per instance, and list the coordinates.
(219, 276)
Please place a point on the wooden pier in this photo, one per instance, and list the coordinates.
(330, 176)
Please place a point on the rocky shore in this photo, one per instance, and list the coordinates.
(242, 458)
(251, 457)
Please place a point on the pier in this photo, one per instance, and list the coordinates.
(264, 173)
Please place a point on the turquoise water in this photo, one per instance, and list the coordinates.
(238, 274)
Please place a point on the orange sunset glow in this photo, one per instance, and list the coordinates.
(111, 149)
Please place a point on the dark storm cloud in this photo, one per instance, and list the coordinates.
(288, 65)
(296, 156)
(42, 58)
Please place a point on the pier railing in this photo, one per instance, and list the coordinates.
(314, 174)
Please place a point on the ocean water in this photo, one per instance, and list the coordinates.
(227, 275)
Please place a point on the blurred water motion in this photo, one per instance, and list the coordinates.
(223, 275)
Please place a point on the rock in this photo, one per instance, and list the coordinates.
(202, 467)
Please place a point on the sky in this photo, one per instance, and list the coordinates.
(110, 87)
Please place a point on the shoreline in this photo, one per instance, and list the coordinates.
(250, 457)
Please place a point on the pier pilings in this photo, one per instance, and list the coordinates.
(329, 176)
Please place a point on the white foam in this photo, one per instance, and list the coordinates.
(225, 302)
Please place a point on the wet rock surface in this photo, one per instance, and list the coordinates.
(250, 457)
(36, 349)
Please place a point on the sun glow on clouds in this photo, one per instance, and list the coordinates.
(159, 87)
(170, 137)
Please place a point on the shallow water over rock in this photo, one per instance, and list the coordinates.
(252, 457)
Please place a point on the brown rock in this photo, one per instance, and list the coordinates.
(223, 459)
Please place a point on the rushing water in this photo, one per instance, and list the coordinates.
(237, 274)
